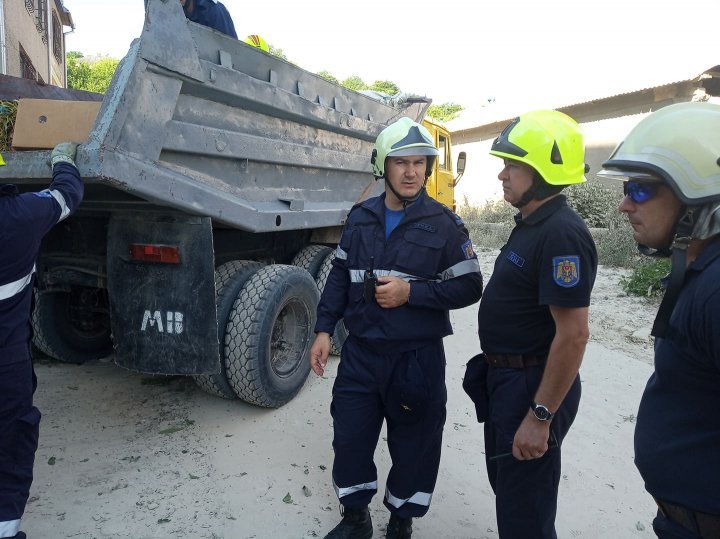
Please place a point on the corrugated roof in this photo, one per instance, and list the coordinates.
(503, 114)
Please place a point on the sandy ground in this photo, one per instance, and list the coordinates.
(129, 455)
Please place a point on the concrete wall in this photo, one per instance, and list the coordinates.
(480, 183)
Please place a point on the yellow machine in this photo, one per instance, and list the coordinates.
(441, 183)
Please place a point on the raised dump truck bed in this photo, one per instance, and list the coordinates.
(217, 179)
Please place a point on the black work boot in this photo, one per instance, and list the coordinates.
(356, 524)
(399, 528)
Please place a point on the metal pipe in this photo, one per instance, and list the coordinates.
(48, 29)
(3, 54)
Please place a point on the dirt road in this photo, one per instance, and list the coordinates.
(128, 455)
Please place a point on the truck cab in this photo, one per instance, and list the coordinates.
(441, 183)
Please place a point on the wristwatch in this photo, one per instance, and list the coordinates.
(541, 412)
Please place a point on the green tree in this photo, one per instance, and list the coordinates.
(354, 83)
(92, 76)
(444, 112)
(328, 76)
(385, 87)
(78, 71)
(101, 73)
(275, 51)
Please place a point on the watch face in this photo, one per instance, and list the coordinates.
(541, 412)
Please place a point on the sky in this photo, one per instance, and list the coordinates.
(520, 54)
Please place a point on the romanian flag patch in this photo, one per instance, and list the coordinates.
(468, 250)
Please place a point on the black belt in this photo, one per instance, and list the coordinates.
(704, 524)
(514, 361)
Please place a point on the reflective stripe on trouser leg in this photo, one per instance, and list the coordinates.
(9, 528)
(19, 428)
(526, 490)
(415, 406)
(357, 419)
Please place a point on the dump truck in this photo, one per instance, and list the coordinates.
(217, 180)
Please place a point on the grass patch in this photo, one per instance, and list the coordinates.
(645, 278)
(490, 224)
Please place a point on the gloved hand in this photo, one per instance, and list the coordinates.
(64, 153)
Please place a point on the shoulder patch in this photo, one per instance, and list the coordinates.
(467, 249)
(516, 259)
(566, 270)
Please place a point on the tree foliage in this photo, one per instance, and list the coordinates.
(385, 87)
(275, 51)
(328, 76)
(355, 83)
(444, 112)
(93, 76)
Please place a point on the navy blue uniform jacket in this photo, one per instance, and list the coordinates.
(430, 248)
(24, 220)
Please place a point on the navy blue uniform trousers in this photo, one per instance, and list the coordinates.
(19, 429)
(407, 390)
(525, 490)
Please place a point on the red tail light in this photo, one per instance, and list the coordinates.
(165, 254)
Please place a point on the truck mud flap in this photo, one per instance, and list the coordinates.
(162, 293)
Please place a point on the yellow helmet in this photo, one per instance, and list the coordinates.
(257, 41)
(548, 141)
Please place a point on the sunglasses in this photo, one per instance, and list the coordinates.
(640, 192)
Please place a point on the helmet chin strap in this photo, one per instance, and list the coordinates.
(678, 248)
(539, 190)
(406, 200)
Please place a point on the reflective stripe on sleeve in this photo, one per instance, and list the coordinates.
(461, 268)
(339, 253)
(9, 528)
(64, 210)
(346, 491)
(419, 498)
(358, 276)
(10, 289)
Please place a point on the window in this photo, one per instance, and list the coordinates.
(41, 22)
(443, 147)
(57, 38)
(27, 70)
(38, 9)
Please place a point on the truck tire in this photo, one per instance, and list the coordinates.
(340, 334)
(72, 326)
(311, 257)
(269, 335)
(229, 280)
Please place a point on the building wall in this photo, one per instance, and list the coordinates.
(21, 31)
(480, 183)
(605, 122)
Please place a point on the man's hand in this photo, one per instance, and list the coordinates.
(531, 438)
(392, 292)
(64, 153)
(319, 353)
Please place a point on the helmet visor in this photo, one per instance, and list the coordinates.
(414, 150)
